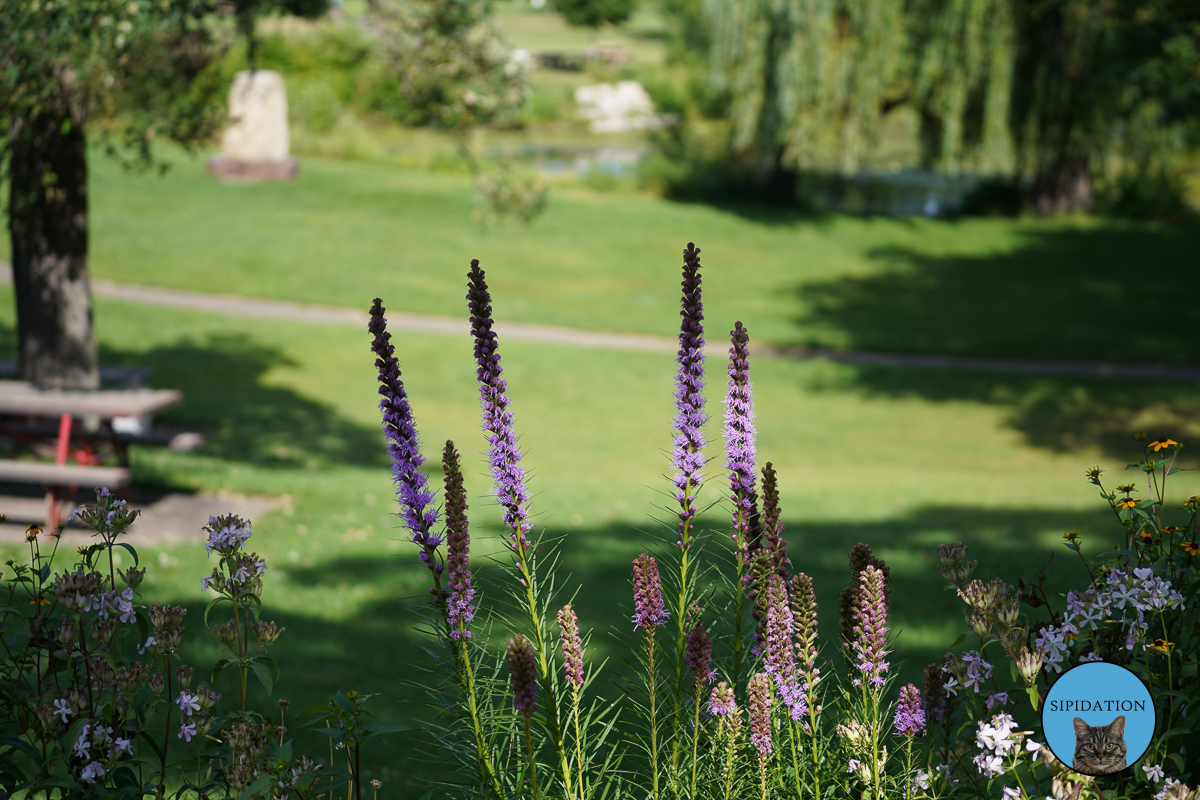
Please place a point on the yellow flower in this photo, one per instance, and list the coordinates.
(32, 532)
(1128, 502)
(1172, 529)
(1162, 646)
(1126, 488)
(1146, 536)
(39, 601)
(1071, 535)
(1159, 444)
(1191, 548)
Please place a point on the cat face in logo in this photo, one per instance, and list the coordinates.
(1099, 749)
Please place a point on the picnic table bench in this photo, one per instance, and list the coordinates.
(118, 416)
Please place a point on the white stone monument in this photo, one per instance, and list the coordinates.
(618, 107)
(255, 146)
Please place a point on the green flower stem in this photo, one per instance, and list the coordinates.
(695, 735)
(685, 536)
(579, 764)
(651, 689)
(739, 590)
(544, 668)
(487, 773)
(162, 775)
(529, 752)
(792, 736)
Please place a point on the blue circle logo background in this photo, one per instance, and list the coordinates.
(1098, 693)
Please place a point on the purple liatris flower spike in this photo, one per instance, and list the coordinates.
(910, 717)
(698, 655)
(403, 446)
(779, 646)
(459, 608)
(721, 703)
(523, 666)
(739, 437)
(648, 610)
(572, 647)
(504, 456)
(687, 458)
(760, 713)
(870, 628)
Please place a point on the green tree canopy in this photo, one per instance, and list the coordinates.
(125, 72)
(1048, 91)
(595, 13)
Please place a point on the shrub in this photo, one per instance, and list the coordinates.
(96, 703)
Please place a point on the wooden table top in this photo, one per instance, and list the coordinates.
(19, 397)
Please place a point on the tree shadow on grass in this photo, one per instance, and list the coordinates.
(379, 648)
(1112, 295)
(245, 420)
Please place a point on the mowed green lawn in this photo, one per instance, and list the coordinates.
(900, 459)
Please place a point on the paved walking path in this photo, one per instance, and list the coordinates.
(574, 337)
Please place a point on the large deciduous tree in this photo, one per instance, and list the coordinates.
(124, 71)
(1042, 89)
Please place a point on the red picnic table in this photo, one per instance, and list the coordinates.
(84, 420)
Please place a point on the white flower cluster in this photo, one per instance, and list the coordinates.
(997, 739)
(1127, 599)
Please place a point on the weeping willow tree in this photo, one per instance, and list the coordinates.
(806, 80)
(1050, 91)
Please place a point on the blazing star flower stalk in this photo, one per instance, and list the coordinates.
(729, 725)
(698, 654)
(649, 614)
(508, 476)
(572, 650)
(870, 630)
(780, 660)
(804, 615)
(523, 667)
(869, 650)
(860, 558)
(460, 610)
(404, 449)
(739, 435)
(687, 458)
(910, 717)
(760, 723)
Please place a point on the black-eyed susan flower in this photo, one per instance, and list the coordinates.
(1146, 535)
(39, 601)
(1126, 488)
(32, 532)
(1192, 501)
(1159, 444)
(1161, 646)
(1128, 502)
(1071, 535)
(1172, 529)
(1191, 548)
(1094, 474)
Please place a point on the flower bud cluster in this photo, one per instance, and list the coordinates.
(572, 646)
(954, 567)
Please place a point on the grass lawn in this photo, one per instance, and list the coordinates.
(899, 459)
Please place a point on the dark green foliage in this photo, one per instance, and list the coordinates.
(595, 13)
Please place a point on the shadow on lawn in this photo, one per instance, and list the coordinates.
(379, 649)
(247, 421)
(1090, 294)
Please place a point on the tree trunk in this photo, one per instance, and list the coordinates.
(47, 217)
(1064, 185)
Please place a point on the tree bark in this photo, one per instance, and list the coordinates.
(47, 217)
(1064, 185)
